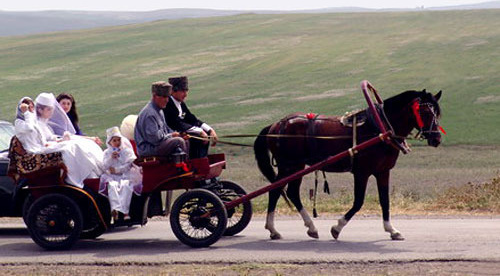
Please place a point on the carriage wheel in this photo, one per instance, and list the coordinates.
(26, 206)
(93, 228)
(198, 218)
(55, 222)
(239, 216)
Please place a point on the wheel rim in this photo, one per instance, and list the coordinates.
(193, 218)
(234, 215)
(55, 222)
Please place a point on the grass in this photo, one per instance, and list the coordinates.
(249, 70)
(420, 182)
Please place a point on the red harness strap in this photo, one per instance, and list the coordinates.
(416, 111)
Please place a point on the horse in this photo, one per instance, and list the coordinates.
(294, 142)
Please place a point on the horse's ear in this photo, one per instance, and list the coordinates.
(424, 90)
(438, 95)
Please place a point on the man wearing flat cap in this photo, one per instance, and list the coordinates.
(152, 134)
(180, 119)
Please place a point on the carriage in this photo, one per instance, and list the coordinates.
(60, 214)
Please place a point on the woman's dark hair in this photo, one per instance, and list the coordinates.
(28, 101)
(72, 114)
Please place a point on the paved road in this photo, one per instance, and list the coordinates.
(363, 240)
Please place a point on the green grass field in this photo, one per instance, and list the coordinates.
(247, 71)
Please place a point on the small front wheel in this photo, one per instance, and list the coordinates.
(198, 218)
(239, 216)
(55, 222)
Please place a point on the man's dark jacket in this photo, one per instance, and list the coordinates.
(175, 122)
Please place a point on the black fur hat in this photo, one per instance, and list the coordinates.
(161, 88)
(179, 83)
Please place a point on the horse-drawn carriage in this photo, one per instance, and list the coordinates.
(60, 214)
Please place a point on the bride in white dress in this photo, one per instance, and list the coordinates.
(82, 156)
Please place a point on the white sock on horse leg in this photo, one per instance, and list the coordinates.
(306, 218)
(395, 234)
(389, 228)
(270, 226)
(312, 232)
(336, 229)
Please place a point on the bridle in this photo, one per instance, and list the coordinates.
(416, 107)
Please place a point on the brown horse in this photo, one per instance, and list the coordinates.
(299, 140)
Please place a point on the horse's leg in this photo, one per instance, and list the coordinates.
(360, 181)
(383, 195)
(293, 193)
(271, 207)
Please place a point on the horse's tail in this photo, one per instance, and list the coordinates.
(261, 151)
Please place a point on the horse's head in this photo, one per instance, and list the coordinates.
(426, 113)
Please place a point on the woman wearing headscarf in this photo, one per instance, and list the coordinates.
(68, 104)
(82, 157)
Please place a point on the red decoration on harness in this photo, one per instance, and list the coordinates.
(416, 111)
(311, 116)
(442, 130)
(182, 166)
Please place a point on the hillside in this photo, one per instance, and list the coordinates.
(249, 70)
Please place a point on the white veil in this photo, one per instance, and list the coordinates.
(59, 122)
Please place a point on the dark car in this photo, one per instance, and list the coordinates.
(12, 196)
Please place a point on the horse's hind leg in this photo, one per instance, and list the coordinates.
(273, 200)
(293, 193)
(360, 181)
(383, 194)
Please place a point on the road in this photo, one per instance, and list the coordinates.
(362, 240)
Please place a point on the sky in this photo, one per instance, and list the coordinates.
(147, 5)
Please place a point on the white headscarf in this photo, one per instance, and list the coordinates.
(125, 143)
(59, 122)
(19, 113)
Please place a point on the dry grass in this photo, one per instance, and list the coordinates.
(483, 197)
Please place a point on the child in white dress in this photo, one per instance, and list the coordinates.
(122, 177)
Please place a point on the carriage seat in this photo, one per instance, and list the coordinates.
(48, 167)
(348, 119)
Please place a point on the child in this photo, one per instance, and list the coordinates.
(122, 177)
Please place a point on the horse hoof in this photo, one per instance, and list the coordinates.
(335, 233)
(313, 234)
(397, 237)
(275, 236)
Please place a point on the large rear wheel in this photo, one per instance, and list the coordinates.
(55, 222)
(198, 218)
(239, 216)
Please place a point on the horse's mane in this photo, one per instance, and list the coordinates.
(407, 97)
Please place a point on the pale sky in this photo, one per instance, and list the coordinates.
(147, 5)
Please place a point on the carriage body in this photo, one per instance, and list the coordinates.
(59, 214)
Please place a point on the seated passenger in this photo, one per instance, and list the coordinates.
(82, 157)
(59, 124)
(152, 135)
(122, 177)
(179, 118)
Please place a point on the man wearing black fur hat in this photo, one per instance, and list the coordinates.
(180, 119)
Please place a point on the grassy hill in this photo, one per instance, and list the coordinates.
(249, 70)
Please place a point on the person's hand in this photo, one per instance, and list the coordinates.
(23, 107)
(97, 140)
(213, 137)
(184, 135)
(204, 135)
(176, 134)
(112, 170)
